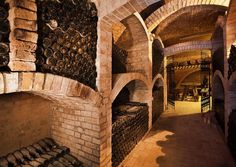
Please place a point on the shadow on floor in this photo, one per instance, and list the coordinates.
(179, 140)
(191, 143)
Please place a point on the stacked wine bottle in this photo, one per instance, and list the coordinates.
(130, 123)
(4, 35)
(45, 153)
(232, 60)
(68, 39)
(119, 59)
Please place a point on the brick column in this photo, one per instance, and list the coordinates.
(104, 84)
(23, 35)
(165, 84)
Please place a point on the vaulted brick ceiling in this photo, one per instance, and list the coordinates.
(191, 55)
(190, 23)
(150, 9)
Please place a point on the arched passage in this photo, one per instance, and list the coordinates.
(171, 7)
(157, 98)
(219, 98)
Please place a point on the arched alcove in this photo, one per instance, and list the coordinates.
(130, 118)
(58, 111)
(135, 41)
(24, 119)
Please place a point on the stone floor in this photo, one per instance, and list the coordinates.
(181, 140)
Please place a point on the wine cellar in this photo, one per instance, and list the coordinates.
(92, 83)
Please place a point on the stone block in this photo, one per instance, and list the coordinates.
(48, 81)
(85, 92)
(38, 81)
(65, 84)
(21, 66)
(27, 4)
(21, 13)
(24, 35)
(11, 82)
(22, 55)
(74, 89)
(1, 84)
(57, 84)
(26, 81)
(30, 25)
(23, 45)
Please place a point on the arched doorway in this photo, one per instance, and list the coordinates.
(218, 101)
(158, 99)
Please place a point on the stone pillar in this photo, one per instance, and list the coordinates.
(149, 74)
(165, 84)
(104, 84)
(23, 36)
(227, 108)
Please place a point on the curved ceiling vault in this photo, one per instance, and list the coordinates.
(190, 24)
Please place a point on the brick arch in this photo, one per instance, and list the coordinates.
(121, 80)
(174, 5)
(218, 81)
(135, 40)
(197, 8)
(187, 46)
(156, 78)
(185, 76)
(160, 41)
(48, 86)
(115, 11)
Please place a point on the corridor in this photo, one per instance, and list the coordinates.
(181, 140)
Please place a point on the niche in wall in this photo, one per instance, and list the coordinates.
(157, 59)
(129, 121)
(24, 119)
(158, 101)
(68, 39)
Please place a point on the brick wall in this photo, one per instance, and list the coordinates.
(77, 127)
(117, 30)
(24, 119)
(135, 41)
(171, 7)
